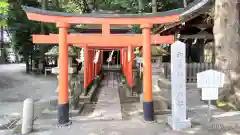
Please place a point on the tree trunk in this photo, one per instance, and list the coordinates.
(184, 3)
(2, 46)
(44, 4)
(227, 48)
(2, 40)
(90, 4)
(26, 59)
(140, 6)
(56, 4)
(154, 6)
(2, 37)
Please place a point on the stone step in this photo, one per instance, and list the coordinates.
(108, 106)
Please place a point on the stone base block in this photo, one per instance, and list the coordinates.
(179, 125)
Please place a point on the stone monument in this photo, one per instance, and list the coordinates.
(178, 120)
(55, 70)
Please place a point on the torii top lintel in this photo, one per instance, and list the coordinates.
(56, 17)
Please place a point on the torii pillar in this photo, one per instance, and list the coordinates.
(147, 73)
(63, 105)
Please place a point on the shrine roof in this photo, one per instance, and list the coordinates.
(193, 10)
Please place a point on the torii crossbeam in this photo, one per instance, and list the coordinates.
(63, 21)
(100, 40)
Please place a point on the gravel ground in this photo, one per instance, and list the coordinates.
(16, 85)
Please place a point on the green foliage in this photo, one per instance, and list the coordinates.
(20, 28)
(136, 29)
(130, 6)
(126, 6)
(3, 21)
(3, 7)
(72, 7)
(165, 5)
(75, 6)
(3, 12)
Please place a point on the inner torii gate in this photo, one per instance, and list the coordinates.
(124, 42)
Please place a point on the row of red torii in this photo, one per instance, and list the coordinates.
(105, 41)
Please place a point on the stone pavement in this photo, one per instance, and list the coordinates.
(104, 128)
(125, 127)
(108, 106)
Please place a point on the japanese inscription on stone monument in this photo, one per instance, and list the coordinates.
(178, 81)
(178, 119)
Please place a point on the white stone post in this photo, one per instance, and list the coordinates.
(27, 116)
(178, 119)
(55, 70)
(82, 59)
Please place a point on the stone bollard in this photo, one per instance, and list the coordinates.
(27, 116)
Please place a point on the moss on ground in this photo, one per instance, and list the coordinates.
(225, 105)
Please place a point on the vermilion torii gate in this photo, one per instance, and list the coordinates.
(106, 40)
